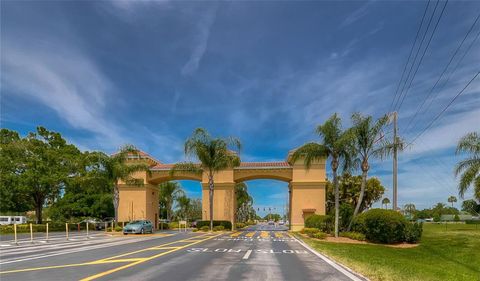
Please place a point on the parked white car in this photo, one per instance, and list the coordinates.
(5, 220)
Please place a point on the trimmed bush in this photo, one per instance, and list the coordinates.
(218, 228)
(118, 228)
(319, 235)
(225, 224)
(384, 226)
(309, 231)
(194, 230)
(354, 235)
(239, 225)
(324, 223)
(472, 221)
(173, 224)
(205, 228)
(413, 232)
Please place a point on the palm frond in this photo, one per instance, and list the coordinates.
(186, 167)
(465, 164)
(470, 143)
(467, 178)
(310, 152)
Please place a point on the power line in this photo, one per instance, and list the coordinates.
(409, 55)
(445, 70)
(444, 109)
(454, 69)
(423, 54)
(416, 54)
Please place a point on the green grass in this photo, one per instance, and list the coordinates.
(452, 254)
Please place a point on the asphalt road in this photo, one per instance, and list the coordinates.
(258, 253)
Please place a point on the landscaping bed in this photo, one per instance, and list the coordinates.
(451, 254)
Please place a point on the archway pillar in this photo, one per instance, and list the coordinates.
(306, 198)
(138, 202)
(223, 202)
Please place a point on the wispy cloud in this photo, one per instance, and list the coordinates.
(356, 15)
(201, 42)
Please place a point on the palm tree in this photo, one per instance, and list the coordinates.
(169, 193)
(470, 167)
(385, 202)
(335, 144)
(115, 168)
(370, 142)
(184, 204)
(409, 208)
(213, 154)
(452, 199)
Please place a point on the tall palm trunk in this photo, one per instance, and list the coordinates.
(116, 199)
(362, 193)
(210, 193)
(337, 194)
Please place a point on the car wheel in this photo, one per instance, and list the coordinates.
(125, 233)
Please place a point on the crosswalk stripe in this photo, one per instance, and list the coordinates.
(250, 234)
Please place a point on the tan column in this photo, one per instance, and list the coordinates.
(223, 202)
(305, 198)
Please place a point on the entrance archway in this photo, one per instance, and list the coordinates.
(306, 188)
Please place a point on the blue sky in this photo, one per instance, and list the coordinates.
(147, 73)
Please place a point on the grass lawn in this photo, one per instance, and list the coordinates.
(452, 254)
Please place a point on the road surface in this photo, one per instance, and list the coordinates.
(258, 253)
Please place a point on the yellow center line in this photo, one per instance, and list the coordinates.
(142, 261)
(250, 234)
(113, 259)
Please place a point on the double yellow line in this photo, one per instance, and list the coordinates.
(130, 261)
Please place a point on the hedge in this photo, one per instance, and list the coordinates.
(472, 221)
(354, 235)
(324, 223)
(387, 226)
(225, 224)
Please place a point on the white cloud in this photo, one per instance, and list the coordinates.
(201, 41)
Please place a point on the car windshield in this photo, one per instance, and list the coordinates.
(136, 222)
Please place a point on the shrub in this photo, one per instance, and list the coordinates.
(309, 231)
(346, 213)
(319, 235)
(358, 224)
(205, 228)
(163, 225)
(173, 224)
(218, 228)
(456, 218)
(472, 221)
(353, 235)
(324, 223)
(118, 228)
(239, 225)
(225, 224)
(194, 230)
(413, 232)
(384, 226)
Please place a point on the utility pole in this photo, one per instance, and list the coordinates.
(395, 147)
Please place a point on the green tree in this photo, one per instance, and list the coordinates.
(385, 202)
(214, 155)
(184, 207)
(471, 207)
(12, 197)
(115, 169)
(272, 217)
(370, 142)
(335, 144)
(349, 190)
(47, 165)
(244, 203)
(410, 209)
(452, 199)
(469, 169)
(196, 209)
(169, 193)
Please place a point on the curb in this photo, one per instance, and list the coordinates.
(340, 267)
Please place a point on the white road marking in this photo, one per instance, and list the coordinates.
(343, 269)
(247, 255)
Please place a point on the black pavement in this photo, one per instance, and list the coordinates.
(263, 252)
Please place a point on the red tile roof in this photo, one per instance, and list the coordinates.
(279, 164)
